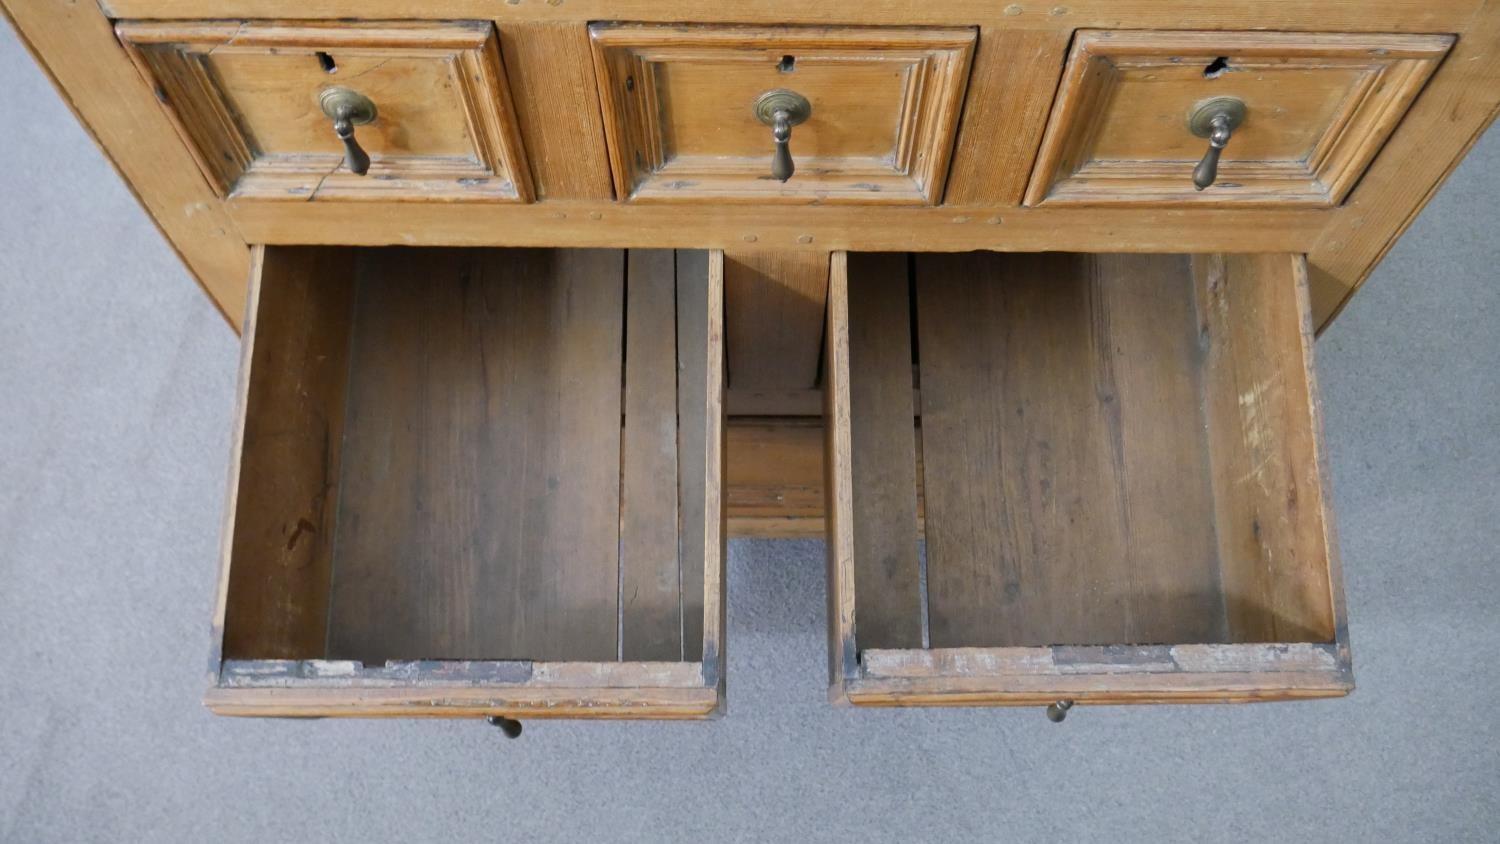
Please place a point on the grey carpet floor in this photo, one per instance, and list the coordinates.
(116, 383)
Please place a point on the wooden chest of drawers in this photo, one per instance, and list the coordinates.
(541, 301)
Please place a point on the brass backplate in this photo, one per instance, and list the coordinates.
(794, 104)
(1200, 121)
(357, 107)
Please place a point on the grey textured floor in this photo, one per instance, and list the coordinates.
(116, 382)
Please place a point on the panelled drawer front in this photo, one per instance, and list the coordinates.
(444, 503)
(1115, 468)
(680, 111)
(1317, 108)
(246, 98)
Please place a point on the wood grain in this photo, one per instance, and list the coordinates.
(636, 695)
(737, 228)
(883, 453)
(1268, 478)
(1059, 421)
(1300, 15)
(678, 111)
(317, 688)
(651, 612)
(1319, 108)
(775, 305)
(774, 481)
(244, 98)
(775, 478)
(1010, 93)
(549, 64)
(479, 486)
(838, 484)
(1152, 381)
(693, 407)
(280, 527)
(715, 459)
(1213, 673)
(480, 513)
(1123, 481)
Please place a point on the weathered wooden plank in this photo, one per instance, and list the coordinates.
(322, 673)
(1065, 467)
(1267, 478)
(978, 358)
(480, 511)
(1206, 673)
(715, 458)
(460, 701)
(838, 483)
(1150, 377)
(883, 453)
(692, 431)
(279, 526)
(774, 319)
(548, 64)
(1010, 93)
(1078, 661)
(650, 592)
(567, 591)
(814, 229)
(1300, 15)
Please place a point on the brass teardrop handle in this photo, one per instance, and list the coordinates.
(782, 109)
(1215, 119)
(348, 109)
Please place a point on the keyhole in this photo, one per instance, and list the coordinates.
(787, 64)
(1216, 68)
(327, 63)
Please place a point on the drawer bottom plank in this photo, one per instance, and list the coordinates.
(650, 594)
(883, 458)
(693, 404)
(1066, 468)
(438, 450)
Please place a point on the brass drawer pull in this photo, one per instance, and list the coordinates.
(1215, 119)
(348, 109)
(782, 109)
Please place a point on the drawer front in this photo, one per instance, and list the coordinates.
(1302, 116)
(1116, 468)
(442, 492)
(871, 113)
(250, 100)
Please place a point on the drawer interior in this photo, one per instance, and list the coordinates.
(1106, 451)
(478, 455)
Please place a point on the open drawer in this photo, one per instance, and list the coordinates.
(476, 482)
(1116, 466)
